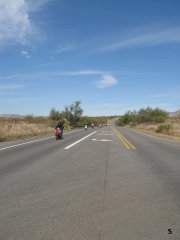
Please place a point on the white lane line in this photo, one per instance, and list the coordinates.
(102, 140)
(20, 144)
(33, 141)
(80, 140)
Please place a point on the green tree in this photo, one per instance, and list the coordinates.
(73, 113)
(144, 115)
(56, 115)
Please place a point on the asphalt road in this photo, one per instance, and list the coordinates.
(112, 184)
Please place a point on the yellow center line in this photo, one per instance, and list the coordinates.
(126, 145)
(126, 142)
(130, 144)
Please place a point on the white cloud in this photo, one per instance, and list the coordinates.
(25, 54)
(16, 25)
(146, 40)
(107, 81)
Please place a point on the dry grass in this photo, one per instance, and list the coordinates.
(19, 128)
(152, 129)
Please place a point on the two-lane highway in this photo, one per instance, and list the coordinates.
(105, 183)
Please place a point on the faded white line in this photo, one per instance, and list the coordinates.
(106, 134)
(80, 140)
(33, 141)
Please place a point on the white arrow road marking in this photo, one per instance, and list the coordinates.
(80, 140)
(102, 140)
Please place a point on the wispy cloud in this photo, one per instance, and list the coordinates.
(81, 73)
(62, 49)
(14, 100)
(11, 87)
(146, 40)
(171, 93)
(25, 54)
(16, 25)
(106, 82)
(46, 74)
(161, 95)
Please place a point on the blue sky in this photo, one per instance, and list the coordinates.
(112, 55)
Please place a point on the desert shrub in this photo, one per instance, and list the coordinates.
(152, 115)
(29, 118)
(132, 124)
(158, 115)
(164, 128)
(36, 119)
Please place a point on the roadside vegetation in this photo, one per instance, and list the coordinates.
(153, 121)
(72, 116)
(12, 128)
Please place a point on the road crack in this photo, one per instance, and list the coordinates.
(104, 193)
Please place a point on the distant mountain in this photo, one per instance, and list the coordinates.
(10, 115)
(174, 114)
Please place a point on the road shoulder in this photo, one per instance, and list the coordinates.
(154, 135)
(29, 139)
